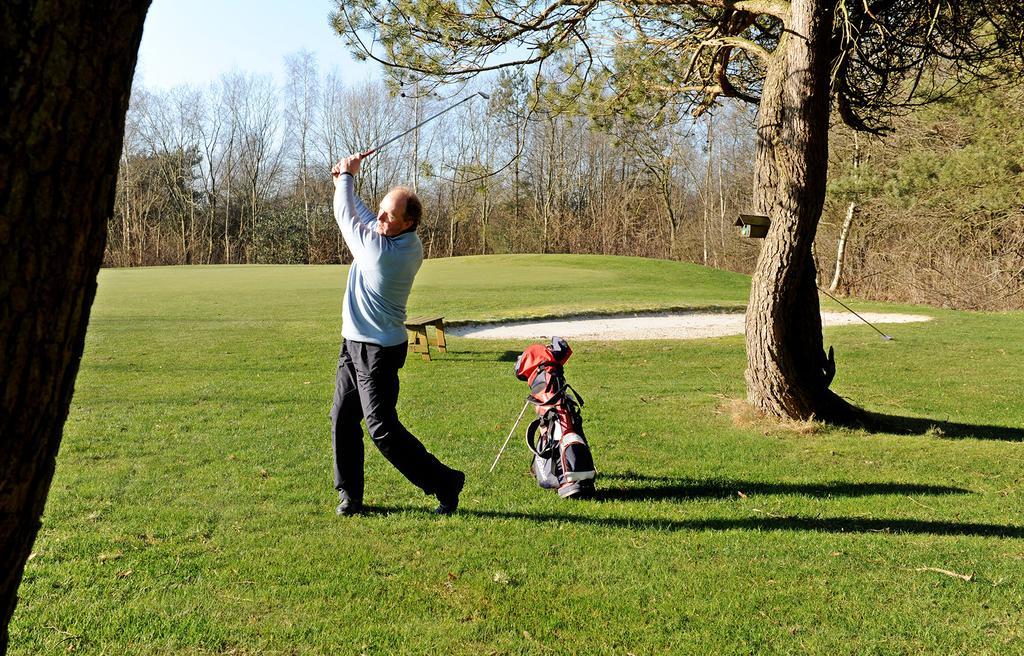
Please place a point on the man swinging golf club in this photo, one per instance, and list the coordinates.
(387, 253)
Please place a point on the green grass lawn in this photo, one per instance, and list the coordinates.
(192, 508)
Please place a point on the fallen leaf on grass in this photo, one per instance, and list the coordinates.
(125, 574)
(501, 577)
(104, 557)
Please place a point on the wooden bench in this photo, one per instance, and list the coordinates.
(418, 341)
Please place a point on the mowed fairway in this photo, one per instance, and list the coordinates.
(192, 511)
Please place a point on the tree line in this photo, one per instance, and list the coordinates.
(237, 172)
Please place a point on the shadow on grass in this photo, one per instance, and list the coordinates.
(471, 356)
(817, 524)
(766, 523)
(947, 429)
(671, 488)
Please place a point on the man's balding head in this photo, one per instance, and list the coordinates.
(412, 209)
(400, 211)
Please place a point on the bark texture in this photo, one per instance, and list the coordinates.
(65, 77)
(788, 372)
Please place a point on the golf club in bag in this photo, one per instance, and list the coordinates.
(561, 455)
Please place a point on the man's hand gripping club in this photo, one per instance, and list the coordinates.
(349, 165)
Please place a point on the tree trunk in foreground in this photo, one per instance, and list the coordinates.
(787, 371)
(65, 76)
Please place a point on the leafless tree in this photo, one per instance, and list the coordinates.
(301, 98)
(259, 153)
(171, 132)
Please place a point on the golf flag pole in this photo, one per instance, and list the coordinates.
(518, 419)
(425, 121)
(884, 336)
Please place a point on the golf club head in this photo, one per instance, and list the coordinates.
(483, 95)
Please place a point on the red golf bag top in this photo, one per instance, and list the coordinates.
(561, 455)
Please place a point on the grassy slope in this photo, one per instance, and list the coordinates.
(192, 507)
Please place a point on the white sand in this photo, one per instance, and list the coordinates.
(677, 325)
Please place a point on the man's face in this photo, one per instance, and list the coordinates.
(391, 215)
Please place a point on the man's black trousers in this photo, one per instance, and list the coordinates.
(366, 388)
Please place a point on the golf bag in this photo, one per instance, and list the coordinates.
(561, 455)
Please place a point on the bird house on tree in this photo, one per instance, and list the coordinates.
(754, 226)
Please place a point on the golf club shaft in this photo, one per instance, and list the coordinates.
(854, 313)
(421, 124)
(518, 419)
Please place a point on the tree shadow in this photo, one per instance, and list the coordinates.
(883, 423)
(766, 523)
(793, 523)
(666, 488)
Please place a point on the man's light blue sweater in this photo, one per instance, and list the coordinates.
(381, 275)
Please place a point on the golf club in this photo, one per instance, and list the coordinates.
(518, 419)
(425, 121)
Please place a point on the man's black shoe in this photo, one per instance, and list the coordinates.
(349, 507)
(449, 499)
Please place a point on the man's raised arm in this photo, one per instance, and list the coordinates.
(354, 219)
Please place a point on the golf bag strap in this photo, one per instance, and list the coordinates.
(531, 432)
(550, 446)
(579, 399)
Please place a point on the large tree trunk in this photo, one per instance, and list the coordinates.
(65, 75)
(787, 371)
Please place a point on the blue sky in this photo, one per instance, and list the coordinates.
(195, 41)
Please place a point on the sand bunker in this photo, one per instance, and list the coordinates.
(676, 325)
